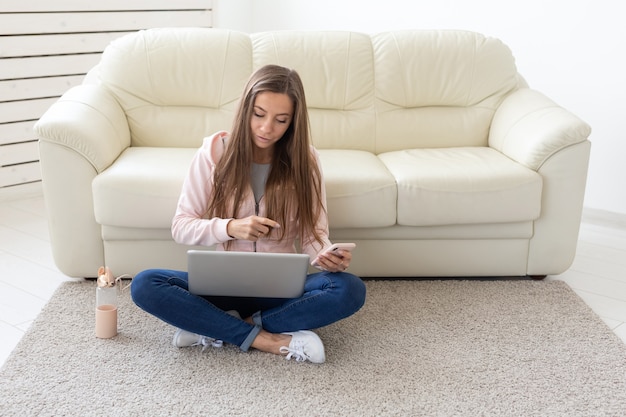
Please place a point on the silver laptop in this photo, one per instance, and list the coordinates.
(247, 274)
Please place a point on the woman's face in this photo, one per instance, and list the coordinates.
(271, 116)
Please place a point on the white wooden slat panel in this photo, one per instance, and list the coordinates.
(14, 111)
(19, 153)
(14, 6)
(31, 23)
(74, 43)
(19, 174)
(17, 132)
(46, 47)
(21, 191)
(30, 88)
(13, 68)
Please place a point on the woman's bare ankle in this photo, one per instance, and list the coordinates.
(270, 342)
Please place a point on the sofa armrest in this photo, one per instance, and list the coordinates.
(529, 128)
(79, 136)
(88, 120)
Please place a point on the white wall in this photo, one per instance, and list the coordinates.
(572, 50)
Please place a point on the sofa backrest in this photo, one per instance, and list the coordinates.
(337, 70)
(177, 85)
(442, 86)
(378, 93)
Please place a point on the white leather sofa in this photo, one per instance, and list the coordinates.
(438, 158)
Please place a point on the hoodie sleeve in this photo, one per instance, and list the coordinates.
(190, 225)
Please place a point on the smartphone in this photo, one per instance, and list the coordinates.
(336, 247)
(343, 246)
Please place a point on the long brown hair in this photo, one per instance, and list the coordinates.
(294, 182)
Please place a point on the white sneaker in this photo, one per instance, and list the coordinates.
(183, 338)
(304, 345)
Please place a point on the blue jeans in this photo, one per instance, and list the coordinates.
(328, 297)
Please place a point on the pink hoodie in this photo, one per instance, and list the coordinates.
(191, 227)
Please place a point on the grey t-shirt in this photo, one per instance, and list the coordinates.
(258, 178)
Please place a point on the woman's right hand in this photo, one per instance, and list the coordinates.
(250, 228)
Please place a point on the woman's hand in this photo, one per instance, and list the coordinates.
(250, 228)
(336, 261)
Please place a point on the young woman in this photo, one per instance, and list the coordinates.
(259, 188)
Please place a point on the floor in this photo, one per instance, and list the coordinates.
(28, 276)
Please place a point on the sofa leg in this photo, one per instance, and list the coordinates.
(536, 277)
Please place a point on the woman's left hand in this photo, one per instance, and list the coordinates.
(337, 261)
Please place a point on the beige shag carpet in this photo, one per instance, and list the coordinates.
(417, 348)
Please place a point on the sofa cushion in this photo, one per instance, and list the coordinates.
(462, 186)
(141, 189)
(144, 185)
(360, 190)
